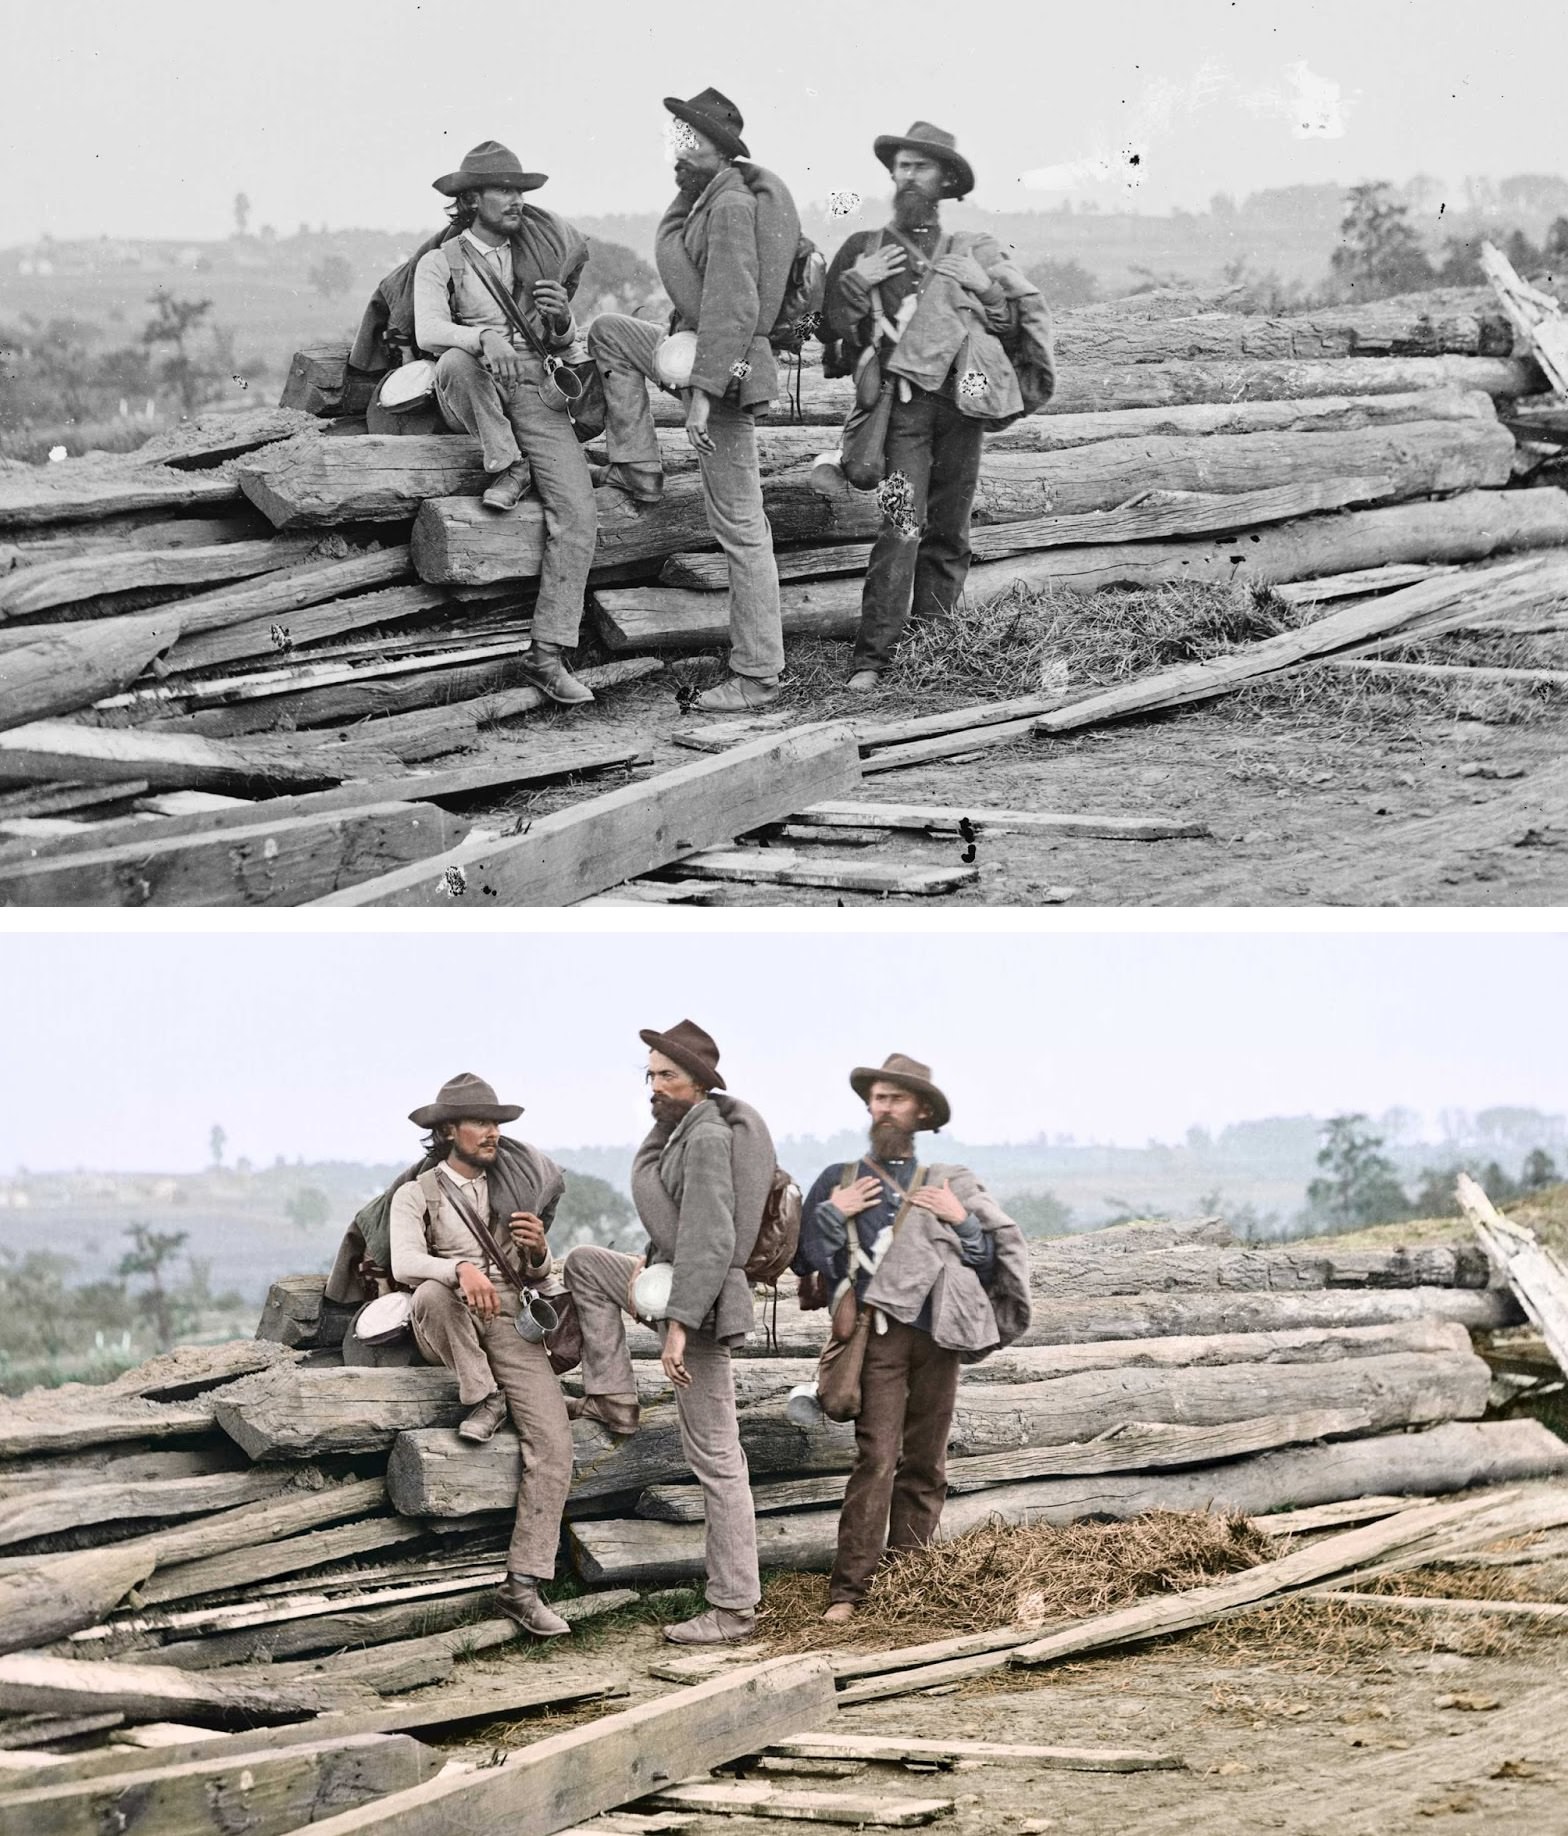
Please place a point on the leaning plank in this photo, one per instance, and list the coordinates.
(946, 1753)
(598, 843)
(1448, 675)
(774, 866)
(32, 1683)
(73, 493)
(544, 1787)
(285, 1556)
(759, 1798)
(312, 1506)
(56, 749)
(263, 863)
(1448, 1457)
(260, 1793)
(1428, 1604)
(61, 583)
(21, 1518)
(1536, 1273)
(290, 588)
(55, 1595)
(1537, 317)
(943, 819)
(63, 673)
(279, 635)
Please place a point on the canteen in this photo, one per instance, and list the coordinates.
(674, 358)
(651, 1291)
(383, 1320)
(410, 385)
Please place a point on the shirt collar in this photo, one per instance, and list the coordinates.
(486, 248)
(463, 1185)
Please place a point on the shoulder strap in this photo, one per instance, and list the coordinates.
(509, 307)
(484, 1236)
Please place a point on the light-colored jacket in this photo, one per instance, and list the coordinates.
(430, 1237)
(923, 1262)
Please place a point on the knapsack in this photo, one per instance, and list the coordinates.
(778, 1236)
(800, 311)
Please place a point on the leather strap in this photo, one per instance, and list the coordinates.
(483, 1235)
(509, 307)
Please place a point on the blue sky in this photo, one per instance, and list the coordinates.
(124, 1049)
(146, 119)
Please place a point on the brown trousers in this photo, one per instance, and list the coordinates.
(895, 1494)
(487, 1355)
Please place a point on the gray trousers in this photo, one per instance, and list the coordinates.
(488, 1355)
(731, 484)
(710, 1429)
(510, 423)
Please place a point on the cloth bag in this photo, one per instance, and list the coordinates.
(843, 1358)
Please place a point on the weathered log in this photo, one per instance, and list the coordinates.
(1533, 1269)
(320, 382)
(302, 1413)
(31, 1683)
(604, 840)
(309, 1507)
(1064, 1271)
(311, 483)
(131, 534)
(262, 1793)
(30, 590)
(211, 438)
(185, 1371)
(291, 1314)
(29, 1426)
(84, 491)
(120, 1501)
(288, 862)
(280, 636)
(1449, 1457)
(288, 589)
(56, 1595)
(286, 1555)
(63, 673)
(763, 1798)
(104, 1466)
(57, 749)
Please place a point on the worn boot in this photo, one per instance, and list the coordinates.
(543, 667)
(518, 1598)
(718, 1626)
(507, 488)
(738, 695)
(620, 1414)
(480, 1423)
(642, 483)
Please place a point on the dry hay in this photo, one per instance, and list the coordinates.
(1006, 1574)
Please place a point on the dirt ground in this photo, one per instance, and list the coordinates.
(1306, 805)
(1280, 1727)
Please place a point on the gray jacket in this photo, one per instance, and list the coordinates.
(924, 1261)
(700, 1193)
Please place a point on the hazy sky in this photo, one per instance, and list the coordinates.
(146, 117)
(123, 1050)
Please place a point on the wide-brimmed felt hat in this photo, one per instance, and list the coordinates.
(712, 113)
(485, 165)
(908, 1074)
(691, 1048)
(465, 1098)
(936, 143)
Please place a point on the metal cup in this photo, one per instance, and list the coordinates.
(536, 1319)
(561, 386)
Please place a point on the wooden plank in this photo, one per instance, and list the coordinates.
(64, 798)
(60, 674)
(309, 1508)
(263, 863)
(1537, 317)
(31, 590)
(282, 634)
(100, 1466)
(309, 483)
(758, 1798)
(288, 1555)
(1535, 1272)
(894, 1749)
(68, 493)
(57, 749)
(1337, 1516)
(264, 1794)
(1447, 675)
(1358, 584)
(132, 534)
(209, 439)
(32, 1683)
(1430, 1603)
(600, 842)
(28, 1427)
(48, 1597)
(555, 1782)
(30, 1516)
(953, 819)
(289, 589)
(773, 866)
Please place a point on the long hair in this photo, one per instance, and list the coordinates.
(463, 209)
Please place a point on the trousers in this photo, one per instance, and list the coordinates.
(511, 423)
(488, 1355)
(710, 1428)
(896, 1491)
(623, 349)
(920, 559)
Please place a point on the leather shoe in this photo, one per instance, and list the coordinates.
(543, 667)
(841, 1612)
(620, 1414)
(507, 488)
(865, 679)
(520, 1601)
(643, 483)
(738, 695)
(480, 1423)
(718, 1626)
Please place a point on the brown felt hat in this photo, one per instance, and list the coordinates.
(936, 143)
(691, 1048)
(465, 1098)
(712, 113)
(908, 1074)
(485, 165)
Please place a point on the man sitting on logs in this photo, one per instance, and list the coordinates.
(724, 251)
(491, 379)
(700, 1180)
(964, 342)
(936, 1274)
(473, 1295)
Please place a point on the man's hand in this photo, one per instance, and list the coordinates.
(478, 1291)
(551, 298)
(860, 1195)
(877, 265)
(941, 1202)
(674, 1359)
(528, 1235)
(631, 1282)
(966, 271)
(698, 404)
(503, 363)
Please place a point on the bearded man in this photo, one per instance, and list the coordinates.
(699, 1180)
(449, 1245)
(724, 251)
(489, 377)
(945, 1275)
(917, 295)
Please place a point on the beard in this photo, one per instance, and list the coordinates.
(667, 1111)
(890, 1142)
(913, 208)
(691, 181)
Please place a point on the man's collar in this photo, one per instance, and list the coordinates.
(485, 248)
(457, 1178)
(720, 181)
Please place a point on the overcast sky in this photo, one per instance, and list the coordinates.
(124, 1050)
(146, 117)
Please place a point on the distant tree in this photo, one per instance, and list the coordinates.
(618, 274)
(1522, 253)
(1434, 1193)
(1461, 265)
(1539, 1170)
(1379, 253)
(151, 1251)
(1535, 192)
(35, 1304)
(1039, 1214)
(331, 276)
(241, 212)
(308, 1208)
(1555, 247)
(1360, 1185)
(1063, 283)
(594, 1211)
(191, 374)
(215, 1143)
